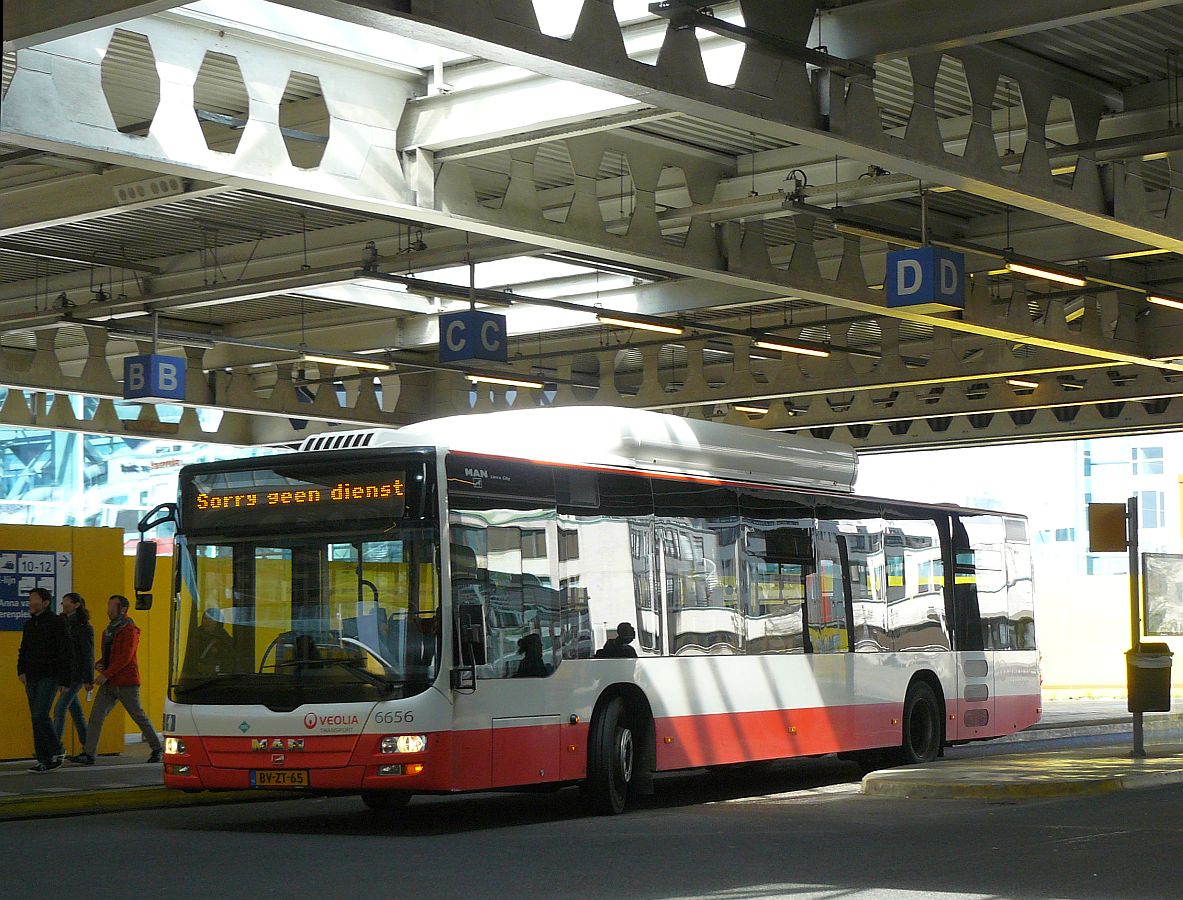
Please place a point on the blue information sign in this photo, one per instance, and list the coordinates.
(925, 275)
(473, 334)
(23, 570)
(154, 377)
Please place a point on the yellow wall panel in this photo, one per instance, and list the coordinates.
(98, 573)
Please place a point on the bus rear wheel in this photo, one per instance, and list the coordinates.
(385, 800)
(922, 725)
(611, 760)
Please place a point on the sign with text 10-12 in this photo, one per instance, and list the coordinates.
(473, 334)
(23, 570)
(927, 275)
(154, 377)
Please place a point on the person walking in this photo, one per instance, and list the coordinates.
(119, 682)
(81, 632)
(43, 664)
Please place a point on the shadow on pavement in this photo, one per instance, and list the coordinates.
(440, 815)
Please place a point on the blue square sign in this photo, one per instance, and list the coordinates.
(473, 334)
(928, 275)
(154, 377)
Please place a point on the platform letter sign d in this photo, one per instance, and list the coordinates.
(154, 377)
(925, 276)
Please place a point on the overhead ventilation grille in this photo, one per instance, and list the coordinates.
(348, 441)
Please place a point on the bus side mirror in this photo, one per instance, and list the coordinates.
(145, 572)
(470, 621)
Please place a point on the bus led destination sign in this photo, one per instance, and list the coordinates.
(259, 497)
(343, 492)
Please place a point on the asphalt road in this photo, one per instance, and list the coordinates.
(799, 830)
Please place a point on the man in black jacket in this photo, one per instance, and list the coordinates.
(43, 665)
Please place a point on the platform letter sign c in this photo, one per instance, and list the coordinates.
(473, 334)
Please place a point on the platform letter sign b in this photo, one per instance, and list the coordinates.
(154, 377)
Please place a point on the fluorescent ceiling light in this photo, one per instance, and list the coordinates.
(347, 361)
(1134, 254)
(773, 344)
(644, 324)
(1048, 274)
(1022, 383)
(1074, 314)
(1163, 300)
(750, 410)
(509, 382)
(875, 234)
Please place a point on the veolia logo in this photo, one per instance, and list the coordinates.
(310, 720)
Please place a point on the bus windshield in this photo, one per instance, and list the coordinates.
(290, 620)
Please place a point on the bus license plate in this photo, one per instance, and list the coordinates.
(284, 778)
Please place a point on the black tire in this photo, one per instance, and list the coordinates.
(922, 734)
(611, 760)
(383, 801)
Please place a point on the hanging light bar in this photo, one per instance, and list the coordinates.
(643, 324)
(1164, 300)
(1046, 273)
(773, 343)
(750, 410)
(347, 361)
(508, 382)
(1023, 383)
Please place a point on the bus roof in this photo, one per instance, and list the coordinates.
(624, 438)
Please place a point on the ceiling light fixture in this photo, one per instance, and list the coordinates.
(643, 324)
(1164, 300)
(508, 382)
(750, 410)
(346, 361)
(1022, 383)
(875, 234)
(1046, 273)
(771, 343)
(1135, 254)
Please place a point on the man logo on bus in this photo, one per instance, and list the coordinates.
(310, 720)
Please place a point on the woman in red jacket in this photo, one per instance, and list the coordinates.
(119, 682)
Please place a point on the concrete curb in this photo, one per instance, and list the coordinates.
(907, 789)
(42, 806)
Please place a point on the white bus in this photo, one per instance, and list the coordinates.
(426, 610)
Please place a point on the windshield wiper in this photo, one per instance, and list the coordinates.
(348, 664)
(216, 679)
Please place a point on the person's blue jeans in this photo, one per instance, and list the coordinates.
(40, 692)
(69, 702)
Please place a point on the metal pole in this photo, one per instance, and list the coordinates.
(1135, 609)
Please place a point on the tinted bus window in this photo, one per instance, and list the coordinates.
(503, 520)
(696, 528)
(605, 567)
(915, 569)
(827, 598)
(778, 559)
(987, 543)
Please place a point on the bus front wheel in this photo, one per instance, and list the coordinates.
(385, 800)
(922, 725)
(611, 759)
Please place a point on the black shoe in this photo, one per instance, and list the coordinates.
(155, 756)
(81, 759)
(46, 767)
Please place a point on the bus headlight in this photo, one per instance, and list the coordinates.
(405, 743)
(173, 746)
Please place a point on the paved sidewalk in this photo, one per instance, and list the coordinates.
(1028, 776)
(122, 782)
